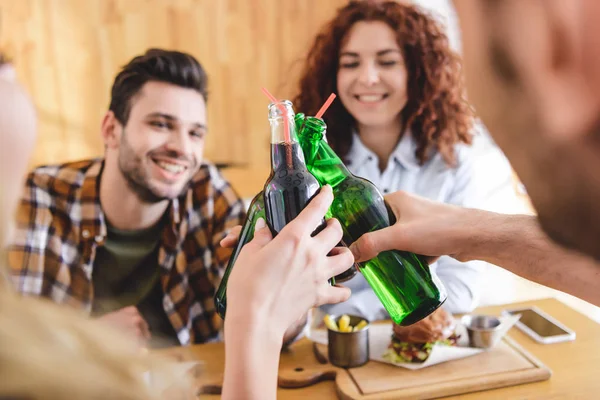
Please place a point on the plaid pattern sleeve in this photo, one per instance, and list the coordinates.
(45, 257)
(26, 254)
(216, 209)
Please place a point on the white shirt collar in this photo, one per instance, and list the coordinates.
(404, 153)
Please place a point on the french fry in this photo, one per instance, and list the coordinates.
(360, 326)
(329, 323)
(345, 324)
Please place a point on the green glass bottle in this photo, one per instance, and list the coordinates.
(255, 211)
(402, 281)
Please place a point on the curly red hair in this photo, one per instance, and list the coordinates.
(436, 112)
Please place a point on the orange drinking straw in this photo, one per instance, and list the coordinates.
(323, 108)
(269, 95)
(326, 105)
(286, 120)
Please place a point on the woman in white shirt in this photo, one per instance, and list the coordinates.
(402, 122)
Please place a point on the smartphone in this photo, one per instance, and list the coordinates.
(540, 326)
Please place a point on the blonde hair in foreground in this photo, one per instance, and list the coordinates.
(50, 352)
(47, 352)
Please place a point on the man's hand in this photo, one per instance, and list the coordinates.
(129, 321)
(513, 242)
(422, 227)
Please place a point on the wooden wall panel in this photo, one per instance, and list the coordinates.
(67, 53)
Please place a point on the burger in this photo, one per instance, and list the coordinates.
(413, 344)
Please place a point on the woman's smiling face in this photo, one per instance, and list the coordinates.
(372, 76)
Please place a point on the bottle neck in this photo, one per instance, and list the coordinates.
(321, 160)
(285, 149)
(281, 119)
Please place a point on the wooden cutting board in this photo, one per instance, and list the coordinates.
(507, 364)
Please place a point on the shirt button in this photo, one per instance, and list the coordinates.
(370, 158)
(386, 190)
(85, 233)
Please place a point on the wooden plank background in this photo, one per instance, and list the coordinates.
(67, 53)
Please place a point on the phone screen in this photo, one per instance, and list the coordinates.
(539, 324)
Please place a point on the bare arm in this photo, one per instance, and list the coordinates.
(514, 242)
(252, 352)
(518, 244)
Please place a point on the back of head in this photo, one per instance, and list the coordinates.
(533, 71)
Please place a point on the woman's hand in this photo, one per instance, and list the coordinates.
(274, 282)
(285, 276)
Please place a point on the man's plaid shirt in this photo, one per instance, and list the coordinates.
(61, 225)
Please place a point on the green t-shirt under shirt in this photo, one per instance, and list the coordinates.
(126, 273)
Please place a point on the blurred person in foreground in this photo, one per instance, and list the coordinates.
(50, 352)
(533, 73)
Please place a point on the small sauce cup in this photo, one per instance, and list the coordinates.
(484, 330)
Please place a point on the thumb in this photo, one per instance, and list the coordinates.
(262, 233)
(371, 244)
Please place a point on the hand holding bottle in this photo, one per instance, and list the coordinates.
(274, 282)
(422, 226)
(279, 279)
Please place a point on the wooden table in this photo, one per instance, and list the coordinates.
(575, 365)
